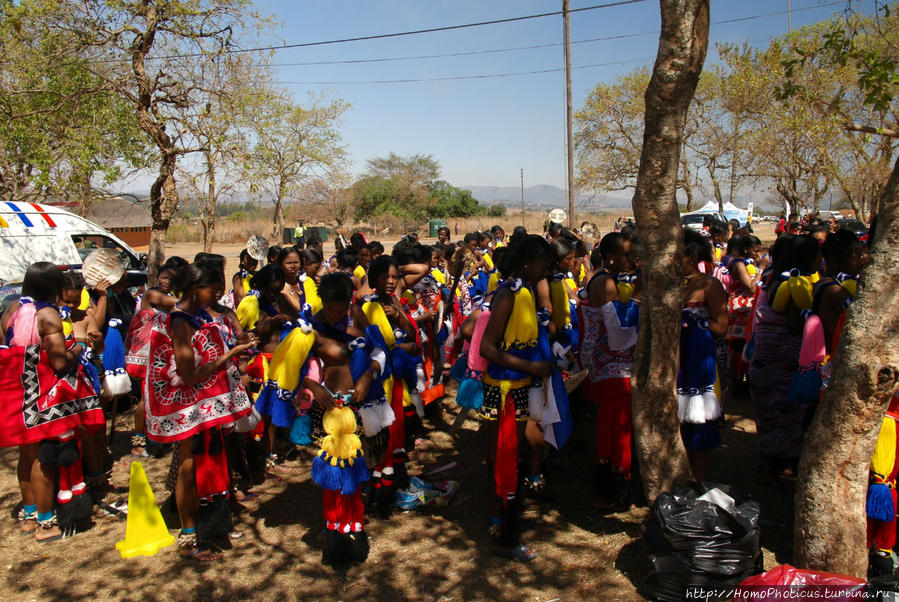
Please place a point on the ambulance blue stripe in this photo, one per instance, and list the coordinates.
(21, 215)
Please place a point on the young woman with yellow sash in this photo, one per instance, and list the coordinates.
(509, 345)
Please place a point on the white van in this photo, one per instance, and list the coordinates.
(31, 232)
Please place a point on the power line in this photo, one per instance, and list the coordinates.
(459, 77)
(412, 32)
(537, 46)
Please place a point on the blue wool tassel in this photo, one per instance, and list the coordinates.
(301, 430)
(404, 364)
(114, 350)
(325, 475)
(879, 504)
(360, 361)
(562, 429)
(470, 394)
(457, 372)
(360, 467)
(373, 339)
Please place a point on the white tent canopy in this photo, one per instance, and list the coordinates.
(731, 211)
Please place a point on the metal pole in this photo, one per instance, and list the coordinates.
(522, 196)
(789, 17)
(565, 19)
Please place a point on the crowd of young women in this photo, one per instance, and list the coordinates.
(345, 353)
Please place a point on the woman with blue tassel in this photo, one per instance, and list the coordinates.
(509, 345)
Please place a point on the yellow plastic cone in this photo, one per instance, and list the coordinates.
(145, 531)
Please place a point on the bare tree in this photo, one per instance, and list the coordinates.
(682, 48)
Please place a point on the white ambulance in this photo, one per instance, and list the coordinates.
(31, 232)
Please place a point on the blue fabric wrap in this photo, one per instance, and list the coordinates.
(697, 356)
(301, 430)
(336, 478)
(574, 332)
(805, 387)
(879, 504)
(481, 282)
(286, 330)
(360, 362)
(562, 429)
(374, 338)
(445, 292)
(460, 368)
(269, 403)
(628, 313)
(114, 350)
(470, 394)
(403, 365)
(701, 437)
(531, 354)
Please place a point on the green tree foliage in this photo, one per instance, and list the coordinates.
(409, 187)
(496, 211)
(63, 129)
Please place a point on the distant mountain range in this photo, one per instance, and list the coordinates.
(540, 196)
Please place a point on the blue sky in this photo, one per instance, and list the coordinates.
(482, 131)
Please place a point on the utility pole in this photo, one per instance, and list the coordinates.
(789, 17)
(571, 218)
(522, 196)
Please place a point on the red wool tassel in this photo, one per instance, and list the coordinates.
(211, 466)
(343, 513)
(506, 470)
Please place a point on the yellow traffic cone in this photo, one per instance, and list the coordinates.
(145, 531)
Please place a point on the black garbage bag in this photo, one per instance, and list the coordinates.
(696, 543)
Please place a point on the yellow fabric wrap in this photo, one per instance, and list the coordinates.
(493, 282)
(521, 329)
(312, 298)
(582, 273)
(245, 283)
(438, 276)
(248, 312)
(488, 261)
(851, 287)
(799, 288)
(67, 327)
(359, 272)
(375, 314)
(341, 443)
(561, 314)
(625, 291)
(885, 451)
(289, 357)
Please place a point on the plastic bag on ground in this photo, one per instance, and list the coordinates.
(786, 581)
(697, 543)
(422, 493)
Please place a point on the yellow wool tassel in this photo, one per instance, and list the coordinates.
(85, 300)
(751, 269)
(438, 276)
(67, 327)
(885, 451)
(359, 272)
(625, 291)
(312, 297)
(493, 282)
(342, 443)
(815, 277)
(375, 314)
(289, 357)
(561, 314)
(248, 312)
(521, 329)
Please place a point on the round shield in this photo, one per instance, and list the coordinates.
(103, 264)
(257, 247)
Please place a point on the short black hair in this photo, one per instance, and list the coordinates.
(347, 258)
(203, 273)
(695, 244)
(610, 244)
(376, 247)
(532, 246)
(42, 282)
(266, 276)
(379, 267)
(72, 280)
(336, 287)
(443, 229)
(273, 253)
(357, 239)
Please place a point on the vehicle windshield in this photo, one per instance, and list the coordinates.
(85, 243)
(691, 219)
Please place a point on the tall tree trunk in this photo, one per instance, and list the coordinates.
(829, 528)
(84, 194)
(278, 217)
(716, 186)
(682, 47)
(208, 220)
(686, 182)
(163, 202)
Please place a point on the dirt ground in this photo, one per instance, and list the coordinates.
(431, 554)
